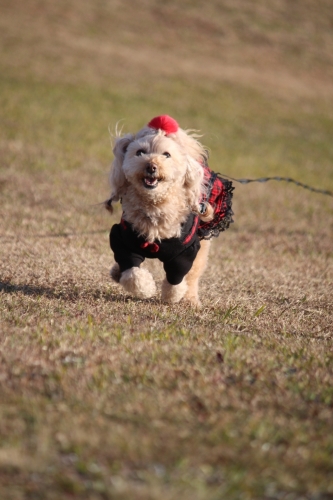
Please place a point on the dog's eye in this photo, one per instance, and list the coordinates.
(140, 152)
(167, 155)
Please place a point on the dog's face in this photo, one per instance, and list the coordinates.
(157, 166)
(152, 164)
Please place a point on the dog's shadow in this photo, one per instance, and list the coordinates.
(72, 294)
(36, 291)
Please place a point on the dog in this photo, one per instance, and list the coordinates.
(172, 205)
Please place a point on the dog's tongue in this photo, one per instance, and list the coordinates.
(165, 123)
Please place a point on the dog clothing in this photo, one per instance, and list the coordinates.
(177, 254)
(219, 196)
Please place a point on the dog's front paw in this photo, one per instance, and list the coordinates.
(173, 293)
(138, 282)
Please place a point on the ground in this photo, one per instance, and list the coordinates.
(108, 397)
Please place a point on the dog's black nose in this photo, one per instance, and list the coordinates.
(150, 168)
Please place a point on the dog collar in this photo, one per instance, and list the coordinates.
(165, 123)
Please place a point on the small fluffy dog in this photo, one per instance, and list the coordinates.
(172, 205)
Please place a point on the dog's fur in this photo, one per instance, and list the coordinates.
(159, 178)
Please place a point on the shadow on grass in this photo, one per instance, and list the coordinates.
(70, 294)
(52, 235)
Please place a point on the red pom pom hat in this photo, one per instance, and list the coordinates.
(165, 123)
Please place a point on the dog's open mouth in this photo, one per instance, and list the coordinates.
(150, 182)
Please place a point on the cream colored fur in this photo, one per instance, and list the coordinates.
(192, 278)
(173, 293)
(175, 165)
(139, 282)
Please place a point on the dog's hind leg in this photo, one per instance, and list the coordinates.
(196, 271)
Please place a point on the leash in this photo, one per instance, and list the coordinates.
(286, 179)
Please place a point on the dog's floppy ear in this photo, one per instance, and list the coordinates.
(117, 177)
(194, 182)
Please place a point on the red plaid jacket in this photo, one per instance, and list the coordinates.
(219, 195)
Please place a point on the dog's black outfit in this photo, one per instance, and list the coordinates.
(177, 254)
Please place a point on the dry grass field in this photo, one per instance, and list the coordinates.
(108, 397)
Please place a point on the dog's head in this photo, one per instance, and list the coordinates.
(158, 157)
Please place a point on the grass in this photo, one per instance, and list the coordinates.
(104, 396)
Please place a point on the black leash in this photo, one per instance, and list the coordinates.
(286, 179)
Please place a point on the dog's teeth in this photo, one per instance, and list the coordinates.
(150, 182)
